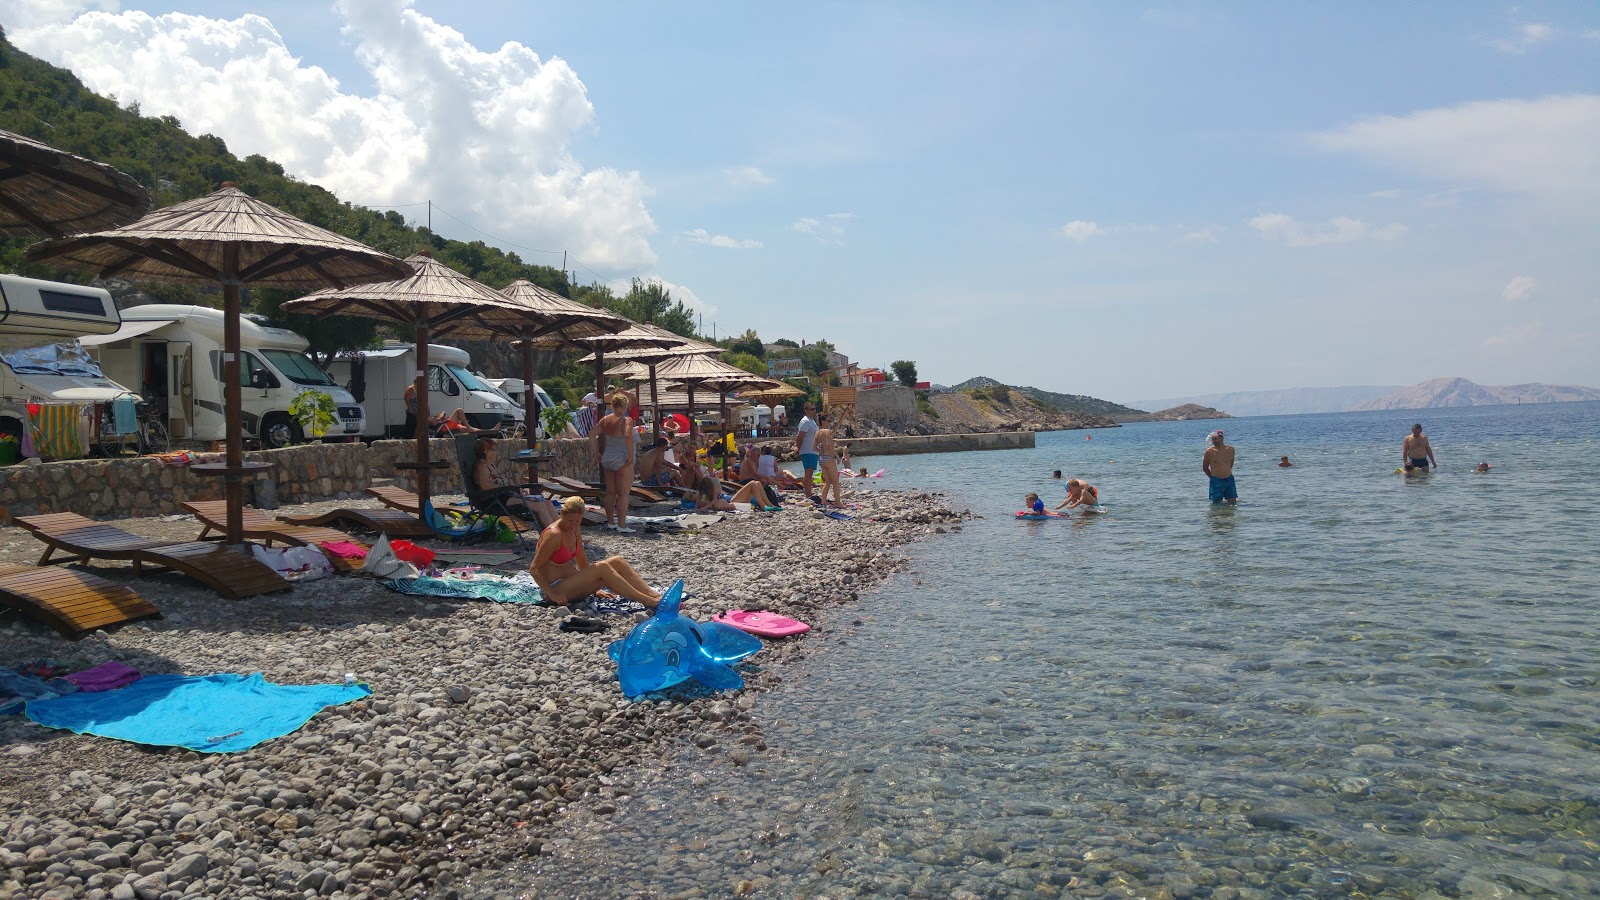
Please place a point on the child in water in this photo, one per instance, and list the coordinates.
(1034, 504)
(1080, 493)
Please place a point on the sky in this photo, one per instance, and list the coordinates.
(1120, 200)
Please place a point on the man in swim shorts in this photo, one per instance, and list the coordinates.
(1416, 449)
(805, 444)
(1218, 466)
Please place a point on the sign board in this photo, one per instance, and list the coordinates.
(786, 367)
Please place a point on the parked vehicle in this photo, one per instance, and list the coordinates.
(175, 353)
(378, 379)
(44, 360)
(505, 387)
(515, 389)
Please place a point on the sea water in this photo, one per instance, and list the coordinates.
(1354, 683)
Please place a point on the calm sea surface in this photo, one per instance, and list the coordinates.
(1352, 684)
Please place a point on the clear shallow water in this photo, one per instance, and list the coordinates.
(1353, 683)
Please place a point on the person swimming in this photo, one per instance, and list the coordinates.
(1483, 467)
(1080, 493)
(1056, 474)
(1283, 462)
(1034, 504)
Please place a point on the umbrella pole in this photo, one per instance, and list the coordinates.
(600, 377)
(424, 474)
(530, 398)
(655, 405)
(233, 476)
(722, 399)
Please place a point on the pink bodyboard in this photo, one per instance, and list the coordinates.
(762, 623)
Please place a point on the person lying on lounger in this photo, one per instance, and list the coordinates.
(563, 570)
(456, 423)
(486, 491)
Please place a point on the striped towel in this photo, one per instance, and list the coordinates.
(57, 431)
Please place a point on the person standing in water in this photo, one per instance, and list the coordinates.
(1218, 466)
(1416, 450)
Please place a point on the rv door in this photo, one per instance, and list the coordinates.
(180, 389)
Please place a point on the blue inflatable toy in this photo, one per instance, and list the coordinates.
(669, 647)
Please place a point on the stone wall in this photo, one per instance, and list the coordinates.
(894, 406)
(939, 443)
(142, 486)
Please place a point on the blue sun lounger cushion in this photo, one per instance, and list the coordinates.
(453, 529)
(669, 648)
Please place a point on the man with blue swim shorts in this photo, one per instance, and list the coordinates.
(805, 444)
(1218, 466)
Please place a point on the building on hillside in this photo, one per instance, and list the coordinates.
(871, 378)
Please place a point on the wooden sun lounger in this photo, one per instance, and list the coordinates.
(213, 514)
(393, 522)
(233, 575)
(72, 602)
(408, 502)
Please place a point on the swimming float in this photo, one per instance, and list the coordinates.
(669, 648)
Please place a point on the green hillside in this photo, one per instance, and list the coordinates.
(50, 104)
(1067, 403)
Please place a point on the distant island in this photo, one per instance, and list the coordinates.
(1435, 393)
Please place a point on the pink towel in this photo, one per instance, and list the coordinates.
(104, 677)
(345, 549)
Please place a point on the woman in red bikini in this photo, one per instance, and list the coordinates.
(564, 573)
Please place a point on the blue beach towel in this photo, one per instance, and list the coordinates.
(520, 588)
(124, 417)
(208, 714)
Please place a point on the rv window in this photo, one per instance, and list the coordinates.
(78, 304)
(440, 381)
(254, 373)
(298, 367)
(26, 356)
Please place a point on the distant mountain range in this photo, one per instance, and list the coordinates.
(1431, 394)
(1441, 392)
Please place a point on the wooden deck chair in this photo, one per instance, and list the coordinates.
(71, 601)
(394, 522)
(407, 501)
(258, 526)
(233, 575)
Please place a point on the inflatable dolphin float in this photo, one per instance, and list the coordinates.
(669, 648)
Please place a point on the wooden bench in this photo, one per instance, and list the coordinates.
(71, 601)
(230, 573)
(213, 515)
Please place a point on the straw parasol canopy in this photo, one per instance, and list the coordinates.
(767, 395)
(705, 372)
(637, 336)
(437, 301)
(54, 193)
(650, 357)
(552, 320)
(232, 239)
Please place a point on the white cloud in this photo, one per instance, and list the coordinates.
(1520, 289)
(701, 236)
(1514, 335)
(1543, 147)
(1526, 36)
(747, 176)
(22, 15)
(1079, 230)
(486, 133)
(683, 293)
(1208, 234)
(828, 229)
(1339, 230)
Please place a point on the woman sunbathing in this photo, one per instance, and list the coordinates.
(485, 492)
(563, 570)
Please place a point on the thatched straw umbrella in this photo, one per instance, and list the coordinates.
(233, 239)
(437, 301)
(649, 357)
(552, 320)
(636, 337)
(694, 371)
(54, 193)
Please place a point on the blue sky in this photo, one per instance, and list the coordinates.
(1119, 200)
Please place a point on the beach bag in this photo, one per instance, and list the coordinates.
(294, 563)
(382, 563)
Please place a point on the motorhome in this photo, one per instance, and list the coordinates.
(174, 352)
(41, 323)
(755, 418)
(378, 379)
(515, 389)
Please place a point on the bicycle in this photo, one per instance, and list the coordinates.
(150, 435)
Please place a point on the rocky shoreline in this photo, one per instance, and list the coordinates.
(486, 723)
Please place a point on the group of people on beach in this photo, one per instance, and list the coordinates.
(1217, 464)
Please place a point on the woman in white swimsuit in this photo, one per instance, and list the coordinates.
(612, 439)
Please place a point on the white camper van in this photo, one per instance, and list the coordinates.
(516, 390)
(175, 352)
(378, 380)
(41, 359)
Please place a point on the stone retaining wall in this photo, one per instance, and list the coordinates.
(940, 443)
(135, 487)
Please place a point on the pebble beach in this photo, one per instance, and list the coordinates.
(487, 726)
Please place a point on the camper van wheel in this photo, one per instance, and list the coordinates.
(279, 431)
